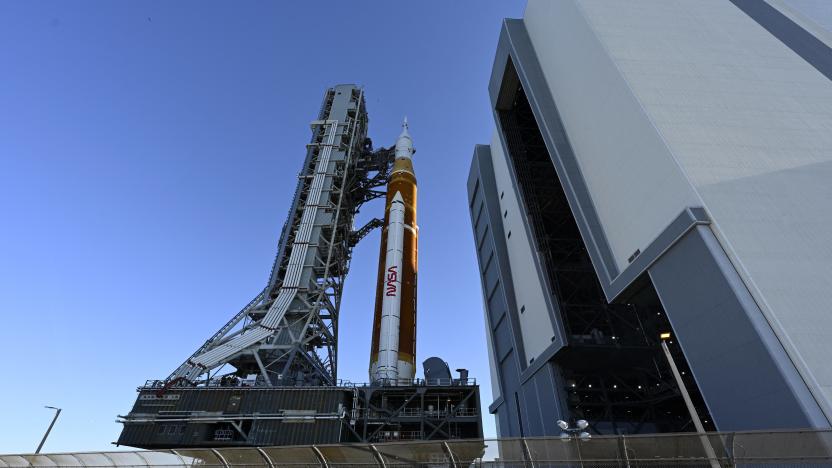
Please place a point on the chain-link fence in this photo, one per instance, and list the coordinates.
(787, 449)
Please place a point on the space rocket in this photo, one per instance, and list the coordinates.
(393, 351)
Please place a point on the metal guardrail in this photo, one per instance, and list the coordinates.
(734, 449)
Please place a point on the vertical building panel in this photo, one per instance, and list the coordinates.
(530, 293)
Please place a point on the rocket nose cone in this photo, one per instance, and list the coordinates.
(404, 144)
(405, 133)
(398, 197)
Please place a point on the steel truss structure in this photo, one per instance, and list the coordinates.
(436, 411)
(287, 334)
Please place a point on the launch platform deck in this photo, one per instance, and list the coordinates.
(233, 414)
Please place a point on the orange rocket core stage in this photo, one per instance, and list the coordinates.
(402, 181)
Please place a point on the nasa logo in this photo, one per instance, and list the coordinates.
(392, 276)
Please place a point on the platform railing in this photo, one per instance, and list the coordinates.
(732, 449)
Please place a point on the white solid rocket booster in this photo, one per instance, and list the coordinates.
(388, 353)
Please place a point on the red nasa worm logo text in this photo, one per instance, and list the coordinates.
(392, 276)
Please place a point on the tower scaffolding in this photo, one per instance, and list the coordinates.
(287, 334)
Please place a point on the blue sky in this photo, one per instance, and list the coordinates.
(148, 153)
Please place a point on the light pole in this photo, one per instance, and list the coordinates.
(49, 429)
(576, 433)
(694, 415)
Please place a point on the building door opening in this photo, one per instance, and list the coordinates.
(613, 370)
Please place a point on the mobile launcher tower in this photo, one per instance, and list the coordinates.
(270, 375)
